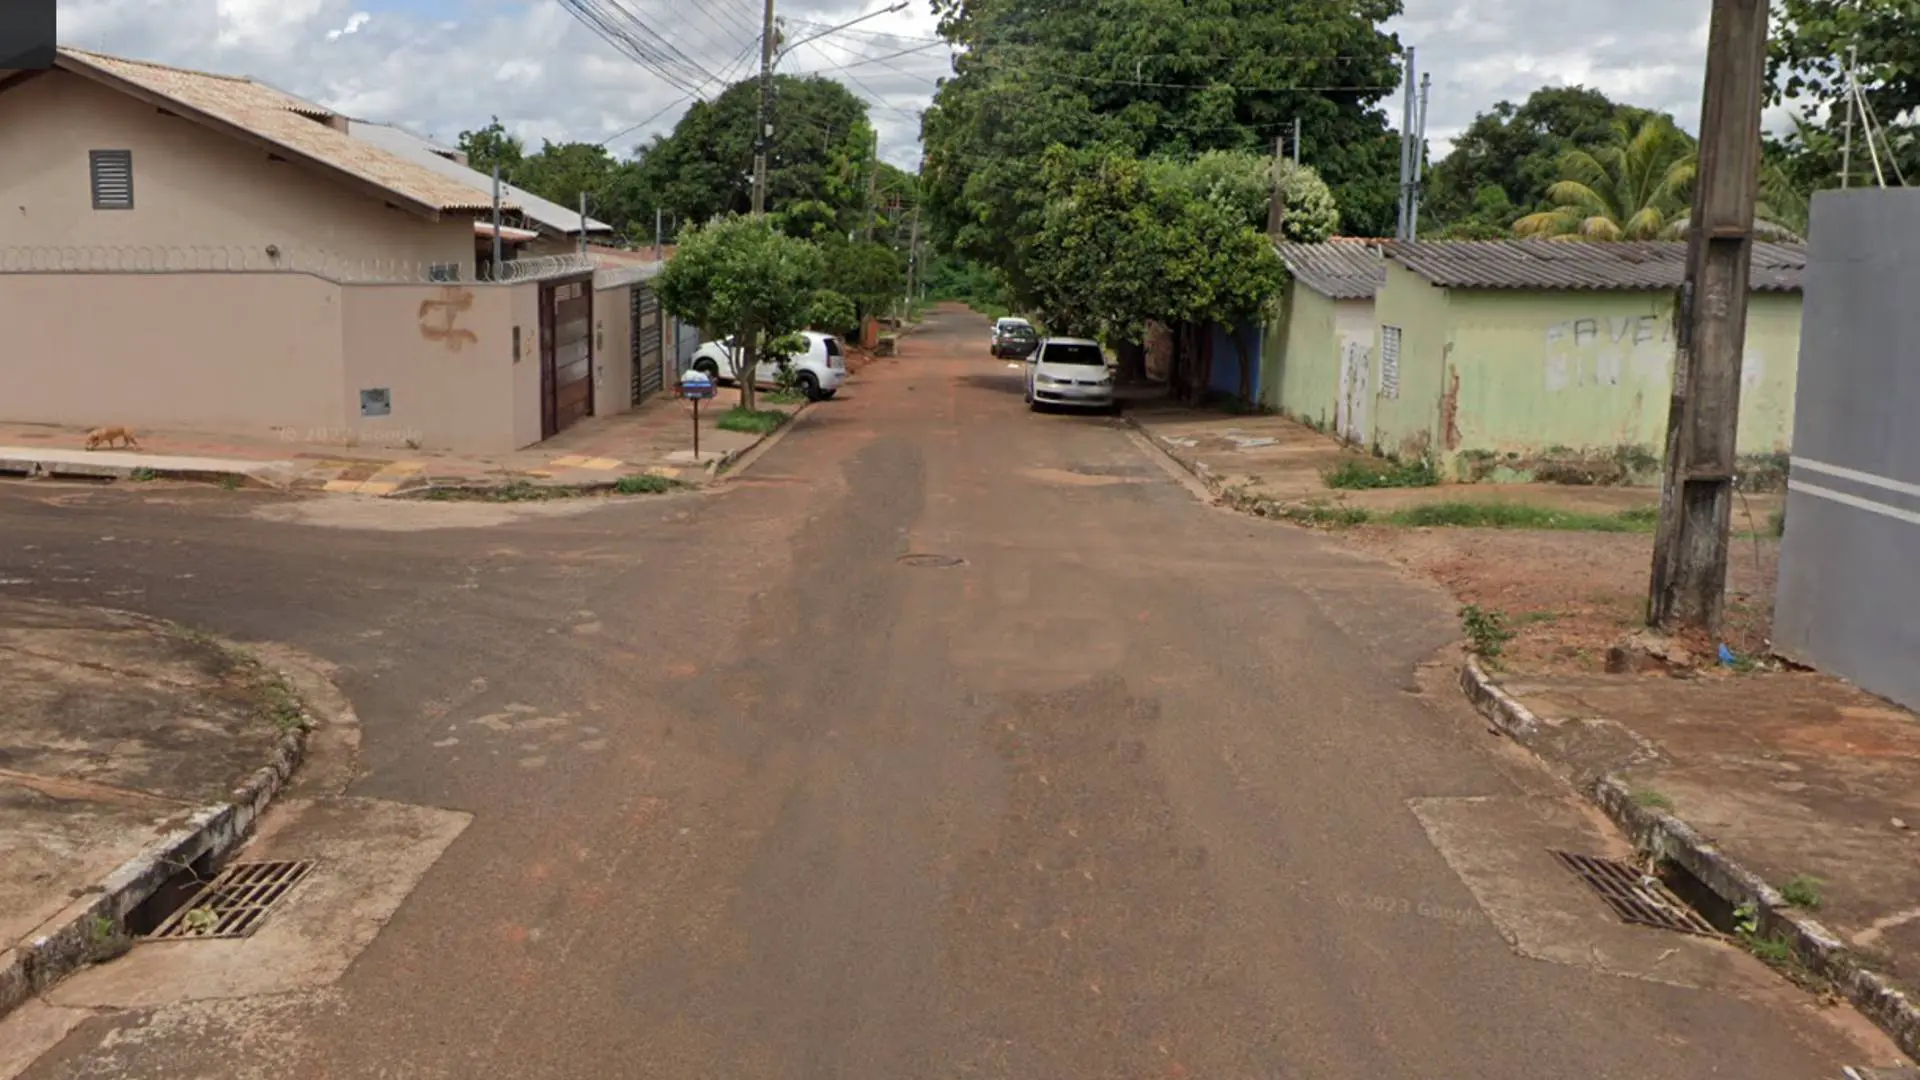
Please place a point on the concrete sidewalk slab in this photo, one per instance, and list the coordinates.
(129, 749)
(128, 464)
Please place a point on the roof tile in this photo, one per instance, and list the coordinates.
(1556, 264)
(1342, 269)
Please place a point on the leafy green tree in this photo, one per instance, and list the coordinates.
(563, 171)
(1517, 150)
(1636, 188)
(1806, 63)
(822, 146)
(742, 278)
(490, 146)
(831, 313)
(1154, 78)
(870, 274)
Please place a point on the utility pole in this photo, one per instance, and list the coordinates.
(1406, 150)
(659, 242)
(1689, 578)
(495, 270)
(1846, 148)
(873, 182)
(583, 221)
(763, 126)
(1296, 140)
(1277, 202)
(913, 259)
(1419, 161)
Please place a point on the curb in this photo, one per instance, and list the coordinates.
(38, 469)
(1661, 833)
(66, 941)
(1199, 470)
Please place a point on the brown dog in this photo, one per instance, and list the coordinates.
(107, 436)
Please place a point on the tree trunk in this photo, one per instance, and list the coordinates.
(1133, 361)
(749, 368)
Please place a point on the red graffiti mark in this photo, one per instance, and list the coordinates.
(444, 314)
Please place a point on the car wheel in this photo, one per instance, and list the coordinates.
(708, 368)
(809, 384)
(826, 394)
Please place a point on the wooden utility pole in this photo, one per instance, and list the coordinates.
(1277, 202)
(763, 125)
(1688, 586)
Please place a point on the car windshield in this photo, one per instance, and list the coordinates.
(1085, 355)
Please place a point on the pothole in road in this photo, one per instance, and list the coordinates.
(931, 561)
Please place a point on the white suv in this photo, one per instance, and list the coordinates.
(818, 371)
(1071, 372)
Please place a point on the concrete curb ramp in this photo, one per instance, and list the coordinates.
(1660, 833)
(121, 465)
(64, 943)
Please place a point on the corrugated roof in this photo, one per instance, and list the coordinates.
(1556, 264)
(284, 120)
(405, 144)
(1342, 270)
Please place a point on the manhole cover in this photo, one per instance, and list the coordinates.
(936, 561)
(1640, 899)
(235, 902)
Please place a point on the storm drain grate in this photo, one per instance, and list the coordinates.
(235, 902)
(934, 561)
(1640, 899)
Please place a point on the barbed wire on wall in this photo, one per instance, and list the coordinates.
(173, 259)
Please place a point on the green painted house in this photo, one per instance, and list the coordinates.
(1318, 349)
(1507, 352)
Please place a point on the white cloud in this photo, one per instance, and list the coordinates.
(441, 66)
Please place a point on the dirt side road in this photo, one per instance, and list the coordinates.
(1137, 789)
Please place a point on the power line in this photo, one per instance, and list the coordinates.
(640, 42)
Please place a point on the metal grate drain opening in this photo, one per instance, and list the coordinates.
(1638, 898)
(933, 561)
(234, 903)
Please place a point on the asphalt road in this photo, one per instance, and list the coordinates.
(1097, 803)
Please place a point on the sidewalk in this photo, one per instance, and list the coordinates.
(1789, 792)
(655, 438)
(131, 749)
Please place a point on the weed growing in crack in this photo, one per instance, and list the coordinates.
(1487, 631)
(1652, 800)
(1803, 891)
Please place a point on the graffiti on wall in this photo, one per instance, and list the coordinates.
(439, 319)
(1596, 352)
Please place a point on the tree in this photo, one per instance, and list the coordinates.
(490, 146)
(831, 313)
(742, 278)
(822, 147)
(1636, 188)
(1517, 150)
(1152, 78)
(1244, 184)
(561, 172)
(870, 274)
(1806, 63)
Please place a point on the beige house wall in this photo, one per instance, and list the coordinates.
(252, 352)
(192, 187)
(274, 353)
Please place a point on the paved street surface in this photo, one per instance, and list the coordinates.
(1142, 789)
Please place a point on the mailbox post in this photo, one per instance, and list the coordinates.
(696, 387)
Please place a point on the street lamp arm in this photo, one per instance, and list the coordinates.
(902, 6)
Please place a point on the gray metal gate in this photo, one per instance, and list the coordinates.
(1848, 590)
(647, 344)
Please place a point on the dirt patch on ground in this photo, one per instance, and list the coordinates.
(1569, 596)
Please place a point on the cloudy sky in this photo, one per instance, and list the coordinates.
(441, 66)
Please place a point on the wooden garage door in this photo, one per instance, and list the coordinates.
(647, 339)
(566, 348)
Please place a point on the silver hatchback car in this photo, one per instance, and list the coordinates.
(1069, 372)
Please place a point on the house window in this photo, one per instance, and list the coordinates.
(1390, 361)
(443, 272)
(112, 172)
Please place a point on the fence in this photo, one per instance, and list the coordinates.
(253, 260)
(1847, 589)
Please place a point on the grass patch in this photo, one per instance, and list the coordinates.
(230, 482)
(783, 397)
(280, 705)
(751, 421)
(1325, 515)
(1366, 474)
(646, 484)
(1487, 631)
(1652, 800)
(1803, 891)
(143, 475)
(517, 491)
(1479, 515)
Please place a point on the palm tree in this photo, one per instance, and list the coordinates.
(1637, 188)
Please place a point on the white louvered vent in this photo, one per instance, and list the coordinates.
(1390, 361)
(112, 179)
